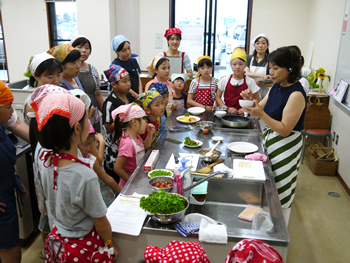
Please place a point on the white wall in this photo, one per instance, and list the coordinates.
(25, 33)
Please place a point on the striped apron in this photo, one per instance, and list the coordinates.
(284, 154)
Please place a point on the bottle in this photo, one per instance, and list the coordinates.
(178, 183)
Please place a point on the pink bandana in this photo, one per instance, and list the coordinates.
(47, 89)
(92, 130)
(170, 31)
(61, 104)
(254, 251)
(128, 112)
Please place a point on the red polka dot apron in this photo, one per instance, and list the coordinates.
(232, 93)
(204, 96)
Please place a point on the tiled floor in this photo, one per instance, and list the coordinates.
(319, 225)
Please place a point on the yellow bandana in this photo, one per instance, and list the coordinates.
(146, 98)
(203, 57)
(239, 53)
(152, 65)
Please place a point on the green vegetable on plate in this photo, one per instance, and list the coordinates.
(190, 142)
(160, 173)
(187, 114)
(161, 202)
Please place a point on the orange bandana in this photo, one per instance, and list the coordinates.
(6, 96)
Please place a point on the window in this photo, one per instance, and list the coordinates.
(3, 66)
(62, 21)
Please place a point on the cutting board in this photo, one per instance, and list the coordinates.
(248, 170)
(194, 158)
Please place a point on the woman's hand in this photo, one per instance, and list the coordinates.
(246, 94)
(1, 209)
(24, 193)
(256, 111)
(241, 111)
(232, 110)
(208, 108)
(265, 77)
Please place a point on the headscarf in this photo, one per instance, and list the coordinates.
(92, 130)
(175, 76)
(82, 96)
(203, 57)
(116, 41)
(128, 112)
(170, 31)
(258, 36)
(75, 37)
(152, 65)
(34, 63)
(239, 53)
(161, 87)
(60, 52)
(6, 96)
(116, 73)
(64, 105)
(148, 97)
(253, 250)
(46, 89)
(176, 251)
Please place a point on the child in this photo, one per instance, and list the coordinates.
(162, 90)
(180, 96)
(120, 95)
(159, 68)
(70, 185)
(231, 86)
(152, 103)
(69, 58)
(203, 90)
(131, 147)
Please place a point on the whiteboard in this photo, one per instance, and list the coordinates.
(343, 65)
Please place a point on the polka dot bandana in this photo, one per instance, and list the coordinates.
(161, 87)
(146, 98)
(128, 112)
(64, 105)
(60, 52)
(176, 251)
(254, 251)
(6, 96)
(151, 68)
(82, 96)
(170, 31)
(116, 73)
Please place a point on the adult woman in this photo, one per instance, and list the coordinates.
(121, 46)
(283, 111)
(257, 65)
(9, 231)
(88, 76)
(173, 37)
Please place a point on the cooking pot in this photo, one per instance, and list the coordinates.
(235, 121)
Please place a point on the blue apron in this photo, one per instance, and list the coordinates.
(9, 231)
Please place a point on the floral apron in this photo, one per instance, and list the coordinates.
(204, 96)
(232, 93)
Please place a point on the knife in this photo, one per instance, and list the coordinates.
(176, 156)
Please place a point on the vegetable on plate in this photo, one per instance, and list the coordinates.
(190, 142)
(159, 173)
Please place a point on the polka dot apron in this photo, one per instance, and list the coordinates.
(204, 96)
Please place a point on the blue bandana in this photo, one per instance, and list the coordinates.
(117, 41)
(116, 73)
(162, 88)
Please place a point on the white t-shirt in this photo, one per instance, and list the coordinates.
(305, 83)
(12, 120)
(250, 83)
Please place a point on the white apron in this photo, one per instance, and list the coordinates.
(259, 70)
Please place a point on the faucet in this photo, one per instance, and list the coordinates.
(224, 173)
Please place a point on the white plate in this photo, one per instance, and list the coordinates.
(200, 143)
(217, 138)
(172, 174)
(242, 147)
(197, 119)
(196, 110)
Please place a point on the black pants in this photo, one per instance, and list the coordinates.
(112, 173)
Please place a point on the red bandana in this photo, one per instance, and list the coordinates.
(170, 31)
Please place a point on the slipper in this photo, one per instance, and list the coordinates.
(42, 254)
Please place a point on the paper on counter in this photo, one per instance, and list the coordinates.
(126, 216)
(194, 158)
(248, 170)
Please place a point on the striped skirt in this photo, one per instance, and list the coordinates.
(284, 154)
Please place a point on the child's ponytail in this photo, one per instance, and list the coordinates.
(118, 129)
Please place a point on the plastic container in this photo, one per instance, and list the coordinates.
(178, 183)
(200, 191)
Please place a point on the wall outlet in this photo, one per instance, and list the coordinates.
(159, 41)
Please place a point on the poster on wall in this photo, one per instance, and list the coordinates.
(339, 92)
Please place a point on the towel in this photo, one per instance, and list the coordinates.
(222, 167)
(256, 157)
(212, 233)
(186, 228)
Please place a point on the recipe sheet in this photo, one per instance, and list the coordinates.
(126, 216)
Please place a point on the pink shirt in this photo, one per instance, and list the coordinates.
(134, 150)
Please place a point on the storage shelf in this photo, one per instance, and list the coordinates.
(344, 105)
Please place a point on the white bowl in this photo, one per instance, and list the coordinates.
(220, 113)
(246, 103)
(196, 110)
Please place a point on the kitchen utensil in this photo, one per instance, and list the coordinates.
(149, 174)
(235, 121)
(209, 159)
(246, 103)
(217, 138)
(224, 175)
(195, 117)
(216, 176)
(192, 157)
(196, 110)
(179, 128)
(176, 156)
(212, 149)
(199, 143)
(170, 218)
(220, 113)
(207, 169)
(221, 108)
(160, 179)
(205, 124)
(242, 147)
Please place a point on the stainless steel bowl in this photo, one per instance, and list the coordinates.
(223, 108)
(170, 218)
(209, 159)
(203, 124)
(160, 179)
(234, 121)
